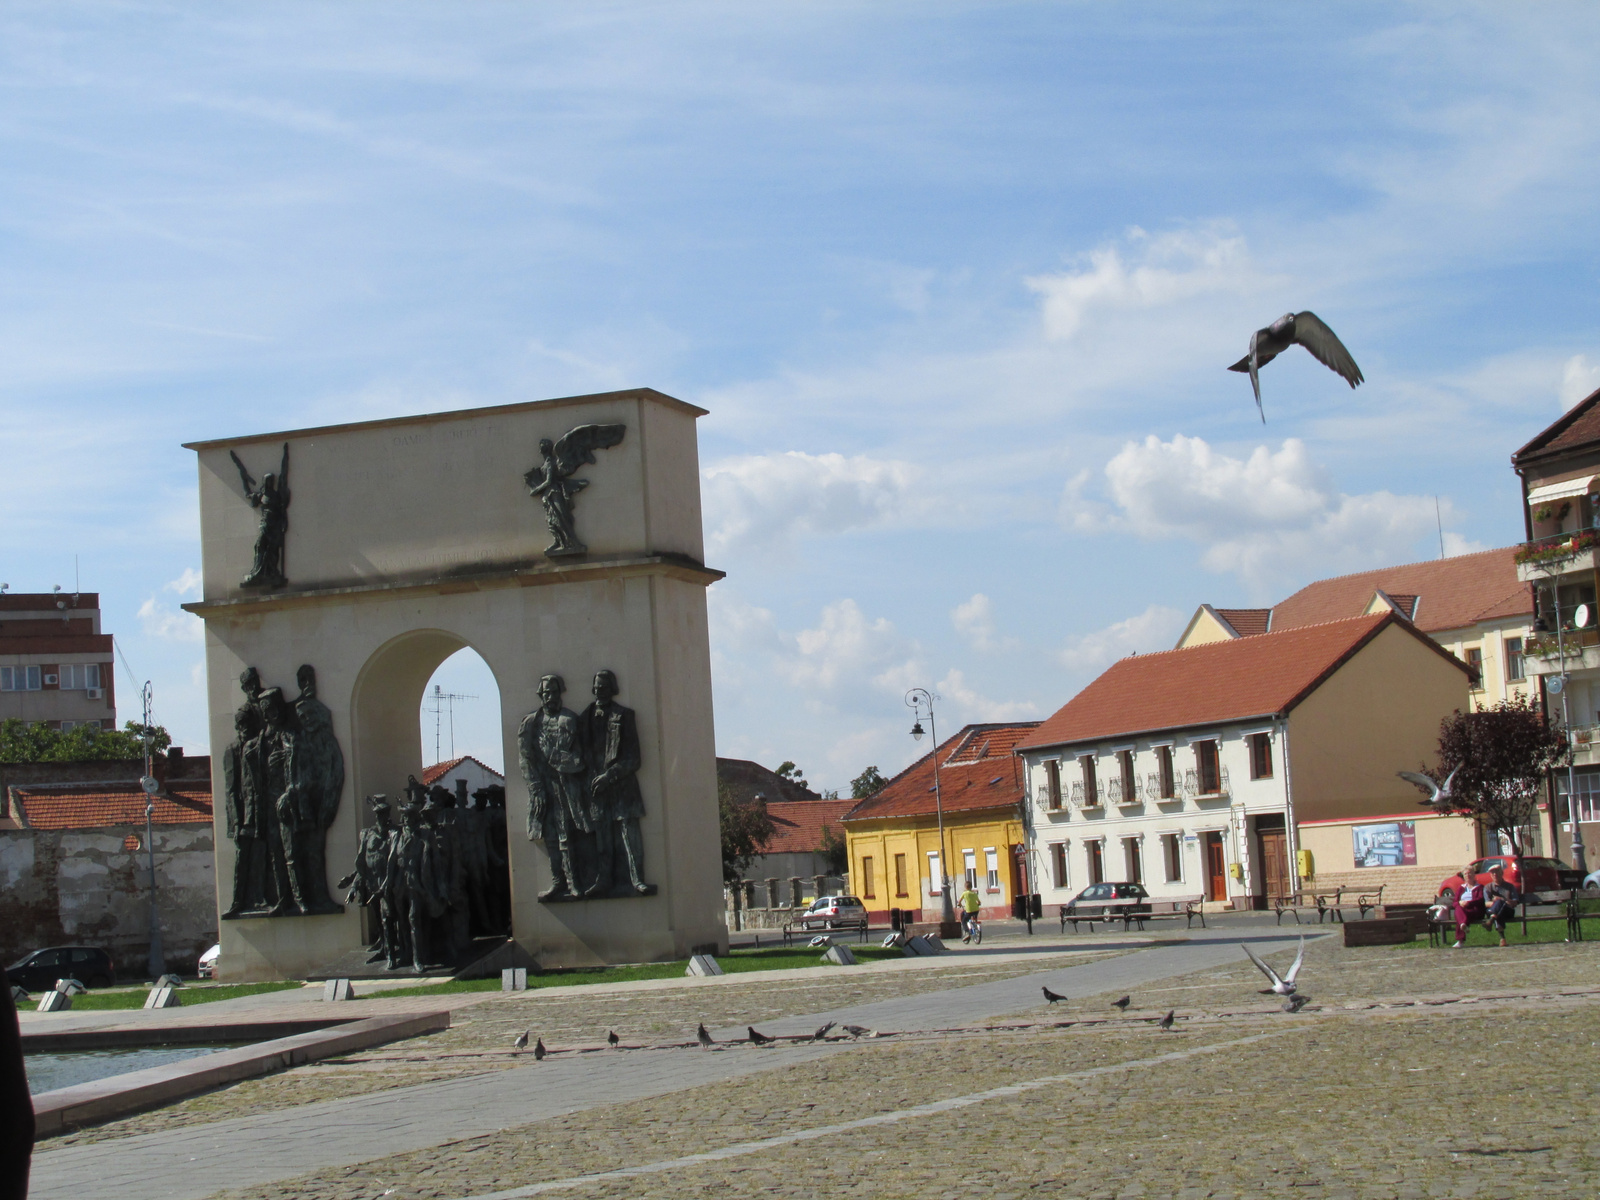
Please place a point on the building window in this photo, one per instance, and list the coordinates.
(1058, 864)
(1169, 785)
(1133, 860)
(866, 878)
(1260, 756)
(1129, 787)
(1172, 856)
(1052, 783)
(900, 875)
(19, 679)
(1097, 861)
(1514, 668)
(1475, 666)
(935, 875)
(969, 870)
(1091, 790)
(1205, 761)
(991, 866)
(76, 677)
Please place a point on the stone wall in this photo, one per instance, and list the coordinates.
(1401, 885)
(88, 887)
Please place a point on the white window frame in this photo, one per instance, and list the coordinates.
(969, 870)
(1065, 861)
(991, 868)
(31, 678)
(935, 873)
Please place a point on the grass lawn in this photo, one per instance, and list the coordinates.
(735, 963)
(190, 994)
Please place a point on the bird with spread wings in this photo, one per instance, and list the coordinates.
(1297, 329)
(552, 484)
(271, 496)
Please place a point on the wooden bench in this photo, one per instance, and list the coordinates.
(1441, 933)
(1189, 910)
(800, 929)
(1326, 904)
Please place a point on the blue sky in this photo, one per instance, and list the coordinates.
(957, 282)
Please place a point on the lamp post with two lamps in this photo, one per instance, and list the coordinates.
(918, 699)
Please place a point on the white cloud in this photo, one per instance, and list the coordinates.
(170, 625)
(1159, 270)
(187, 584)
(1269, 516)
(1153, 629)
(847, 647)
(766, 501)
(968, 706)
(974, 620)
(1579, 377)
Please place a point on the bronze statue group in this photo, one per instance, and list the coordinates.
(437, 876)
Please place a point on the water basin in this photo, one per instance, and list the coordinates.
(47, 1072)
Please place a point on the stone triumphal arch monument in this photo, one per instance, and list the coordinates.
(559, 539)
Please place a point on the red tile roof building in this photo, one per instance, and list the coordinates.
(105, 805)
(1188, 770)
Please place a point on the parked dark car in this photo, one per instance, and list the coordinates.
(38, 972)
(1113, 899)
(830, 912)
(1542, 874)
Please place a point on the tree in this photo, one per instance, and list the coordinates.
(787, 770)
(834, 851)
(868, 783)
(22, 742)
(1500, 757)
(746, 830)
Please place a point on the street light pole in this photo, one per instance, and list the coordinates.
(917, 699)
(157, 963)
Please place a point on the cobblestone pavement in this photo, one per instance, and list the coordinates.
(1413, 1075)
(479, 1040)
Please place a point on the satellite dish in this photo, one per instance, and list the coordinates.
(1580, 619)
(1555, 684)
(150, 784)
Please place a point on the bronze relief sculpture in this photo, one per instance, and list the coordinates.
(271, 496)
(551, 483)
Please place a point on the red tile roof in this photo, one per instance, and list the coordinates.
(432, 775)
(798, 824)
(1220, 681)
(97, 805)
(1246, 622)
(1576, 428)
(1446, 593)
(976, 770)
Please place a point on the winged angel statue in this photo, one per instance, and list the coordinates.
(552, 484)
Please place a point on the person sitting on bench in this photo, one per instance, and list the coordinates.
(1500, 899)
(1469, 905)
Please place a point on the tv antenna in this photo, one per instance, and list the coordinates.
(444, 703)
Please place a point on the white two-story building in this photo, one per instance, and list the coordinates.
(1249, 767)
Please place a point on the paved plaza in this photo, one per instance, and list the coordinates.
(1412, 1073)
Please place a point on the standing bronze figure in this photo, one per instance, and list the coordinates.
(611, 751)
(272, 498)
(550, 752)
(320, 765)
(369, 882)
(551, 483)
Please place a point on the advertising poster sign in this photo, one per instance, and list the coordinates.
(1393, 844)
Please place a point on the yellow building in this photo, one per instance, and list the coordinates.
(896, 860)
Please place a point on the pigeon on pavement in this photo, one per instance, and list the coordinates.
(1305, 329)
(521, 1040)
(539, 1051)
(1166, 1021)
(821, 1032)
(1051, 997)
(857, 1031)
(759, 1038)
(703, 1037)
(1123, 1003)
(1281, 985)
(611, 1037)
(1295, 1003)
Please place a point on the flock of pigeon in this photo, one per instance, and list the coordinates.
(1282, 985)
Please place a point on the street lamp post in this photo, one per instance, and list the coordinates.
(917, 699)
(157, 963)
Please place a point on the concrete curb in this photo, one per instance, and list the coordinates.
(128, 1037)
(106, 1099)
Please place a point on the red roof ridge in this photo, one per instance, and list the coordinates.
(1421, 562)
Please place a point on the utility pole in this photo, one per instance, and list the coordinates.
(158, 962)
(444, 702)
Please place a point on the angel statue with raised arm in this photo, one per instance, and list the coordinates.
(551, 482)
(272, 498)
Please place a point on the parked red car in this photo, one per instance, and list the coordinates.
(1543, 875)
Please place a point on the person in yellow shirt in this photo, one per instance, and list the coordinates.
(970, 903)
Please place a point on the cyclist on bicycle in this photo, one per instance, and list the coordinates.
(970, 904)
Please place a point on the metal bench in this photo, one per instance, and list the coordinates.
(801, 929)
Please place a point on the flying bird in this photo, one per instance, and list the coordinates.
(857, 1031)
(1051, 997)
(1166, 1021)
(703, 1037)
(759, 1038)
(1281, 985)
(1123, 1003)
(1438, 794)
(521, 1040)
(1295, 1003)
(1305, 329)
(821, 1032)
(611, 1037)
(539, 1051)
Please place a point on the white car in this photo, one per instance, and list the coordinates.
(1591, 882)
(830, 912)
(207, 967)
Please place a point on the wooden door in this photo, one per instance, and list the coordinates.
(1216, 868)
(1275, 861)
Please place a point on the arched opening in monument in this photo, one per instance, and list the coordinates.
(407, 697)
